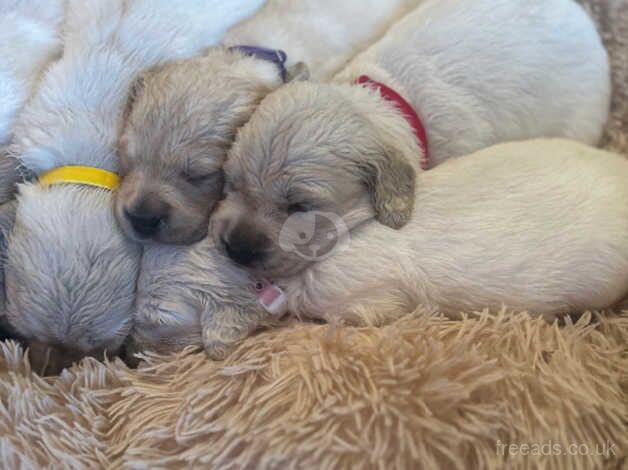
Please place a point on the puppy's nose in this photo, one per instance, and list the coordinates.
(146, 214)
(246, 248)
(145, 223)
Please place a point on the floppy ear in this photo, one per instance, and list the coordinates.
(135, 90)
(299, 72)
(392, 182)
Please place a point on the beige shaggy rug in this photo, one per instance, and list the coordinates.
(503, 391)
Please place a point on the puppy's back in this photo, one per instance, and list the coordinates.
(539, 225)
(492, 71)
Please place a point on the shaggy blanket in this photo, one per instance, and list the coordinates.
(490, 391)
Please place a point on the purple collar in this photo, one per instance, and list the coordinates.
(276, 56)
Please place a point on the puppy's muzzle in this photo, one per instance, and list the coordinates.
(147, 217)
(246, 246)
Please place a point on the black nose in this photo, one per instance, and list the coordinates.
(246, 248)
(144, 223)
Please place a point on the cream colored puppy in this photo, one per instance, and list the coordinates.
(537, 225)
(183, 117)
(70, 273)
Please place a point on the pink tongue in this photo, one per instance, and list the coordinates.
(271, 297)
(268, 294)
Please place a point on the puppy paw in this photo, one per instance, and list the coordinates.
(218, 351)
(220, 342)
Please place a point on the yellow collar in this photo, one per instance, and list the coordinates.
(81, 175)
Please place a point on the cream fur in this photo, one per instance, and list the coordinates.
(547, 233)
(70, 274)
(423, 392)
(186, 115)
(29, 41)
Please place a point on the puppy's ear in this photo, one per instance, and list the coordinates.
(392, 182)
(299, 72)
(135, 90)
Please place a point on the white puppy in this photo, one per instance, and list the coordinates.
(444, 82)
(484, 72)
(322, 34)
(70, 273)
(183, 117)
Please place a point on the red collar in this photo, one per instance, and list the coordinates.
(408, 112)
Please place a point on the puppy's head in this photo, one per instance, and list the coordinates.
(70, 275)
(307, 169)
(179, 123)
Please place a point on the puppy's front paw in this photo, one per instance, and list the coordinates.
(219, 342)
(225, 328)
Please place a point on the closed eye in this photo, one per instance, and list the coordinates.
(298, 207)
(201, 178)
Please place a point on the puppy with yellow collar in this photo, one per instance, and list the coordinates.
(70, 273)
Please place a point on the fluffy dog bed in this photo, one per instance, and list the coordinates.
(491, 391)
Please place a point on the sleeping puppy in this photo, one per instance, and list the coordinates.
(183, 117)
(70, 273)
(538, 225)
